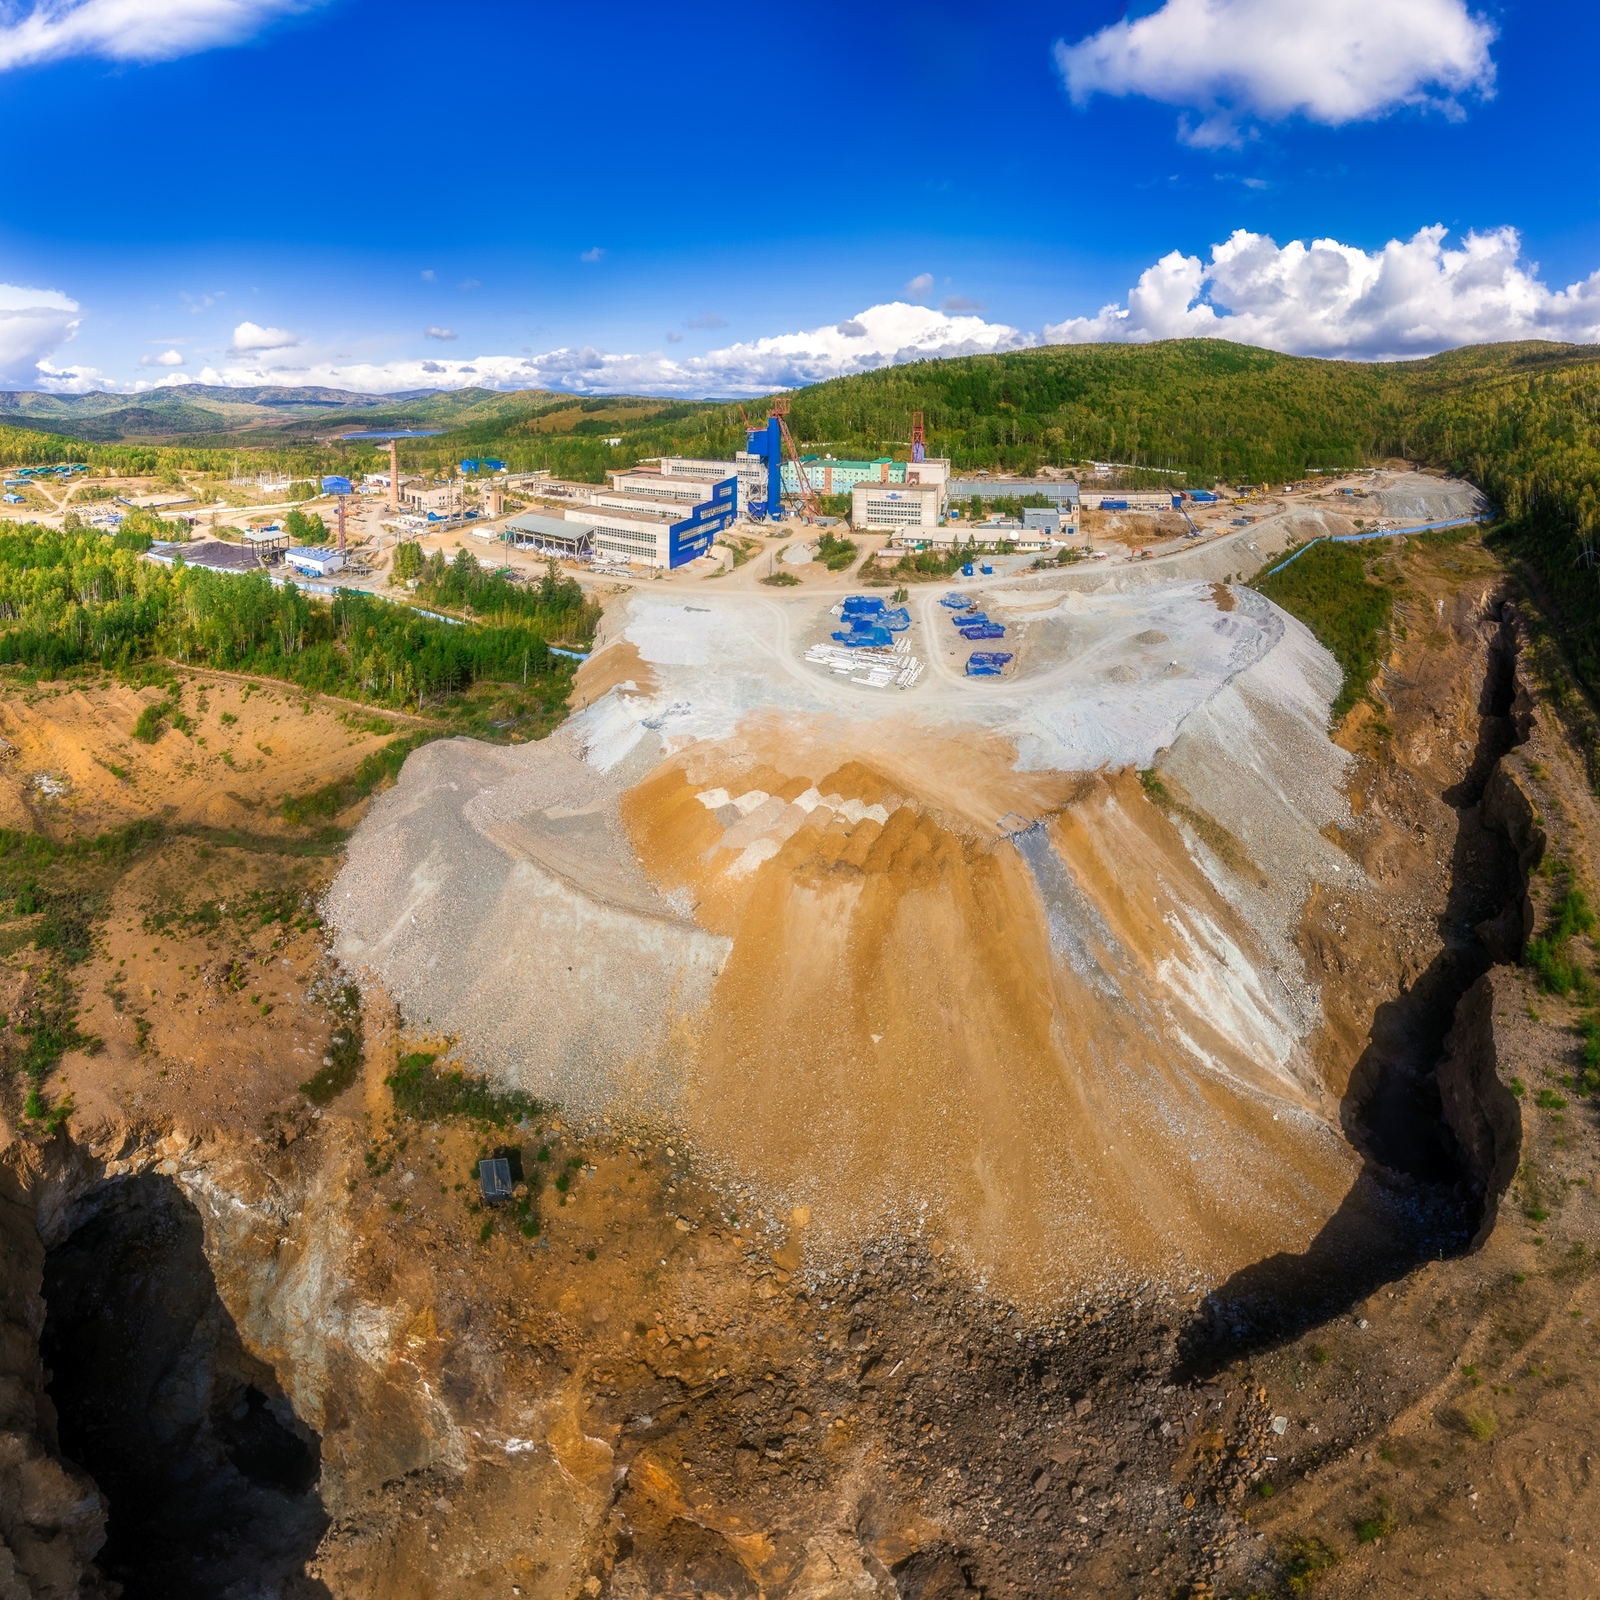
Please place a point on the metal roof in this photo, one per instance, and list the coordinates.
(534, 522)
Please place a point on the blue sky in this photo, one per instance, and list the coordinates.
(719, 199)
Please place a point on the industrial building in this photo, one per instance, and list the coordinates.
(649, 527)
(896, 508)
(442, 499)
(314, 561)
(1131, 500)
(827, 475)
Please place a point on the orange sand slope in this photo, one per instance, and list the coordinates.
(929, 960)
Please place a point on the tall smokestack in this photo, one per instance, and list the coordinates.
(394, 477)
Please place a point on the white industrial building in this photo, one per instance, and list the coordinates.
(314, 561)
(1128, 500)
(896, 508)
(749, 470)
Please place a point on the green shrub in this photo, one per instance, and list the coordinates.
(1305, 1560)
(1378, 1524)
(152, 722)
(427, 1095)
(835, 554)
(345, 1055)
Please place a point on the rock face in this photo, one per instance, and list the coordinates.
(52, 1517)
(1479, 1109)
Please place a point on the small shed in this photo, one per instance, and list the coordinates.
(494, 1179)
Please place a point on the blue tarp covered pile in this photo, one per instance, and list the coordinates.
(984, 630)
(867, 623)
(956, 602)
(986, 663)
(969, 619)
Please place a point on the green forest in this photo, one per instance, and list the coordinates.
(81, 598)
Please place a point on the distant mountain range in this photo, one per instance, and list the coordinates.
(199, 412)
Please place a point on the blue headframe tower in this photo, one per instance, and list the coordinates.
(767, 444)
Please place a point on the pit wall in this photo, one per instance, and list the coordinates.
(1483, 1114)
(52, 1517)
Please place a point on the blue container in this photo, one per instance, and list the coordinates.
(966, 571)
(988, 571)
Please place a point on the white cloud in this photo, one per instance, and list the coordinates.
(438, 333)
(888, 334)
(1411, 298)
(69, 380)
(130, 30)
(33, 322)
(1330, 61)
(429, 275)
(920, 285)
(167, 358)
(592, 256)
(250, 336)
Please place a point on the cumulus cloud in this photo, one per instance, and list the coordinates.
(920, 285)
(33, 322)
(70, 380)
(250, 336)
(428, 275)
(438, 333)
(130, 30)
(591, 256)
(1330, 61)
(1411, 298)
(167, 358)
(886, 334)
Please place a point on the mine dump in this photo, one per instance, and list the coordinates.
(863, 949)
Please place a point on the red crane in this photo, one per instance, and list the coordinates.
(810, 505)
(919, 443)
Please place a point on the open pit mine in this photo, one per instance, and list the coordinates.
(1062, 1131)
